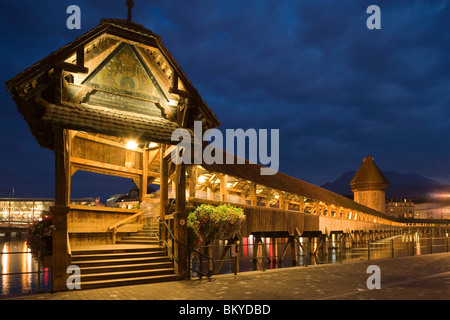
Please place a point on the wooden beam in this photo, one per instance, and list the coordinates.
(90, 137)
(144, 178)
(106, 166)
(80, 56)
(71, 67)
(168, 152)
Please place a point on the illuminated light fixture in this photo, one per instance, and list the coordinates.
(229, 185)
(132, 145)
(202, 179)
(277, 196)
(152, 145)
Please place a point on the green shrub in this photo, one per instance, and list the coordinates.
(208, 222)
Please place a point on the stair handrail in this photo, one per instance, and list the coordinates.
(169, 234)
(124, 221)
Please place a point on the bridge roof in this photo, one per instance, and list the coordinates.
(286, 183)
(368, 172)
(31, 89)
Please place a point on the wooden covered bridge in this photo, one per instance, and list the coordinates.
(108, 103)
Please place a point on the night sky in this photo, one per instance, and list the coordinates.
(336, 90)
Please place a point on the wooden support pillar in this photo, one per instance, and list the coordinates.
(329, 210)
(144, 178)
(281, 203)
(253, 196)
(302, 204)
(223, 188)
(317, 207)
(258, 255)
(274, 253)
(294, 251)
(60, 254)
(164, 189)
(244, 197)
(192, 174)
(209, 193)
(180, 215)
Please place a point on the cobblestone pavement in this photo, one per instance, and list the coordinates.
(411, 278)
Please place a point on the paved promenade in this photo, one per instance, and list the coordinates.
(411, 278)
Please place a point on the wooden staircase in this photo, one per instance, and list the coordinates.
(146, 236)
(135, 259)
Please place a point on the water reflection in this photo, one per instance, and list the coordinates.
(19, 269)
(275, 253)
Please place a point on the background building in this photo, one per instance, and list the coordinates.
(400, 208)
(19, 210)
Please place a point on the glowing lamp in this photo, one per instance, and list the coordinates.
(132, 145)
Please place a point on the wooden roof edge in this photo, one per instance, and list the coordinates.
(106, 25)
(327, 195)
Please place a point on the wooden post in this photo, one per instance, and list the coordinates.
(209, 193)
(164, 190)
(192, 173)
(180, 221)
(253, 196)
(302, 204)
(223, 188)
(235, 255)
(274, 253)
(60, 211)
(281, 202)
(294, 252)
(144, 178)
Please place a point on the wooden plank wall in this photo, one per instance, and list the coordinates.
(89, 225)
(263, 219)
(106, 154)
(327, 224)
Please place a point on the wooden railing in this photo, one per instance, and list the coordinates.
(115, 226)
(69, 250)
(171, 241)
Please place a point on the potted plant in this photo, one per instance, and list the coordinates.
(208, 222)
(40, 234)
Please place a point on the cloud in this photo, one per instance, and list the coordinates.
(335, 89)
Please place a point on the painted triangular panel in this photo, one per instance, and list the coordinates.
(125, 72)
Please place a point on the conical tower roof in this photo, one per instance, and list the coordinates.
(368, 174)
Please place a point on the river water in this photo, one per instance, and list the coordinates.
(329, 252)
(19, 268)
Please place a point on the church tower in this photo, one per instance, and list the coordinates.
(369, 185)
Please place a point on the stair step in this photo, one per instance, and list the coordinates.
(145, 234)
(141, 237)
(125, 267)
(127, 281)
(137, 241)
(114, 250)
(112, 262)
(135, 259)
(125, 274)
(124, 255)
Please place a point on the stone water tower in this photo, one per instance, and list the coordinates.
(369, 186)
